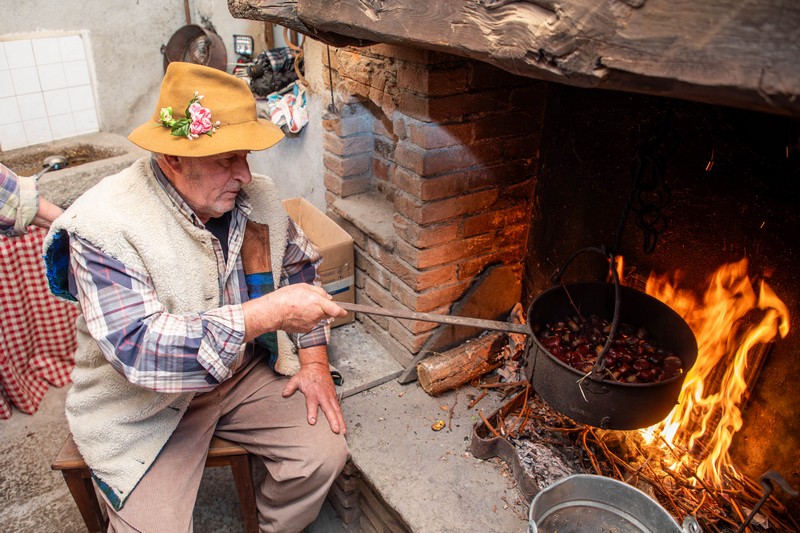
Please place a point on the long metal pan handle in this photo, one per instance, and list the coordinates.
(494, 325)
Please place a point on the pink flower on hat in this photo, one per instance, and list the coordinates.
(201, 119)
(196, 121)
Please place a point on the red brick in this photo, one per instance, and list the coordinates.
(433, 82)
(430, 212)
(430, 188)
(399, 126)
(347, 166)
(353, 87)
(522, 191)
(355, 108)
(511, 236)
(446, 253)
(491, 221)
(432, 277)
(329, 197)
(499, 175)
(452, 108)
(418, 280)
(375, 271)
(383, 147)
(359, 237)
(388, 104)
(381, 169)
(408, 156)
(378, 294)
(425, 236)
(431, 162)
(372, 71)
(381, 127)
(359, 67)
(430, 300)
(505, 125)
(415, 328)
(360, 278)
(382, 298)
(428, 135)
(460, 157)
(347, 126)
(472, 267)
(355, 144)
(382, 321)
(346, 186)
(334, 60)
(525, 147)
(379, 98)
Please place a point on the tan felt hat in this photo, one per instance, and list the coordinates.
(204, 111)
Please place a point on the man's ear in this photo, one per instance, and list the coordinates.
(172, 162)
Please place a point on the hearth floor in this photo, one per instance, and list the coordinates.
(426, 477)
(424, 480)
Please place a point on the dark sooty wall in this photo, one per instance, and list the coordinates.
(746, 205)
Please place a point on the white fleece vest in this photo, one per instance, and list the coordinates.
(120, 428)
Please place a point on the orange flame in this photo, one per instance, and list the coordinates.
(725, 339)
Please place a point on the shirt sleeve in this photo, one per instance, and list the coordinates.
(151, 347)
(19, 198)
(301, 265)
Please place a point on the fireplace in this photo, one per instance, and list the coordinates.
(444, 169)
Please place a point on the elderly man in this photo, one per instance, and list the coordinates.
(177, 342)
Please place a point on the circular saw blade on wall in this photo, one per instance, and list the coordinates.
(195, 44)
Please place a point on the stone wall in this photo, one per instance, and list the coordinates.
(430, 163)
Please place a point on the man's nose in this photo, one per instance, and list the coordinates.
(241, 170)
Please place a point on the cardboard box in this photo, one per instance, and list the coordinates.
(336, 247)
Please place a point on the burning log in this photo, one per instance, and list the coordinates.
(460, 365)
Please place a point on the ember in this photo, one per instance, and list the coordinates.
(550, 446)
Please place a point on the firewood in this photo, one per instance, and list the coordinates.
(453, 368)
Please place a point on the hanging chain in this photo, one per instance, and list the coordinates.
(650, 193)
(332, 105)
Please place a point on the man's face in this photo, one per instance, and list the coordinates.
(210, 184)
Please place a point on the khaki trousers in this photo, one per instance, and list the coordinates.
(302, 461)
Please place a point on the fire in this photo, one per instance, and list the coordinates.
(729, 324)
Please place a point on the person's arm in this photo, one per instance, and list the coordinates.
(46, 213)
(301, 265)
(21, 205)
(152, 348)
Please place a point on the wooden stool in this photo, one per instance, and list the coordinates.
(220, 453)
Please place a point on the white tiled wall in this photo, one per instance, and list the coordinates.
(45, 91)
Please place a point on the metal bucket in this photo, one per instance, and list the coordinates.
(584, 502)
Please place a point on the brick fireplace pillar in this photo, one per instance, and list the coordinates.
(430, 163)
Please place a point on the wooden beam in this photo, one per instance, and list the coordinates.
(284, 13)
(730, 52)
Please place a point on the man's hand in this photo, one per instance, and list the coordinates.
(315, 382)
(295, 308)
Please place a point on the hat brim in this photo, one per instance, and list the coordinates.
(252, 135)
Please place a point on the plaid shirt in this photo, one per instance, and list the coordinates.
(167, 352)
(11, 198)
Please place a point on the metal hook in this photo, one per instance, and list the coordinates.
(766, 483)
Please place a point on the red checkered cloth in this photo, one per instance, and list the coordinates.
(37, 331)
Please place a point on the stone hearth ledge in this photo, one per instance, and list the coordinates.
(427, 477)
